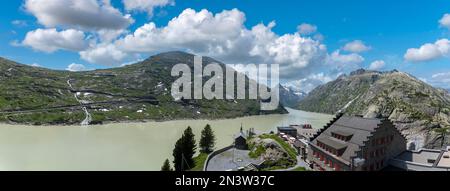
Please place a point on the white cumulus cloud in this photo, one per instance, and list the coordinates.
(429, 51)
(146, 5)
(76, 67)
(377, 65)
(356, 46)
(20, 23)
(198, 31)
(346, 59)
(83, 14)
(225, 37)
(51, 40)
(105, 54)
(310, 82)
(35, 65)
(306, 29)
(445, 21)
(439, 80)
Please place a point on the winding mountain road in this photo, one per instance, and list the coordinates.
(88, 118)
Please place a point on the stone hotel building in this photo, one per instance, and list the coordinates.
(350, 143)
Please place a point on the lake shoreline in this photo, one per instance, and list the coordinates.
(106, 123)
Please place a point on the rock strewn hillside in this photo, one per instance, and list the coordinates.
(414, 106)
(135, 92)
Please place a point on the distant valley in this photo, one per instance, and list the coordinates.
(290, 97)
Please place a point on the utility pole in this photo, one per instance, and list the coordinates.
(182, 161)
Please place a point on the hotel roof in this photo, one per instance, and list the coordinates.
(338, 145)
(360, 128)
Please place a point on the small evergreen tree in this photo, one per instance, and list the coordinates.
(207, 140)
(184, 151)
(178, 155)
(189, 147)
(166, 166)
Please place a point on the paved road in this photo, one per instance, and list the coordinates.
(22, 111)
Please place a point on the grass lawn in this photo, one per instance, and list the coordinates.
(299, 169)
(200, 162)
(257, 152)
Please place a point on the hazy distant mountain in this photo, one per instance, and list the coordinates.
(414, 106)
(135, 92)
(290, 97)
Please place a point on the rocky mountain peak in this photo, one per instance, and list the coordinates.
(358, 72)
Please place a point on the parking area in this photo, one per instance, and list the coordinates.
(232, 160)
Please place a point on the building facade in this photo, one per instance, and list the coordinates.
(350, 143)
(288, 131)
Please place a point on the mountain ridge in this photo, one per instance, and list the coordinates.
(136, 92)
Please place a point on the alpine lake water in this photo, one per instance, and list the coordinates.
(122, 146)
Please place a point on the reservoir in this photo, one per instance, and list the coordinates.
(122, 146)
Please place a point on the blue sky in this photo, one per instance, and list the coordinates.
(377, 32)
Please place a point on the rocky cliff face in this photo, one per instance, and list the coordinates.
(414, 106)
